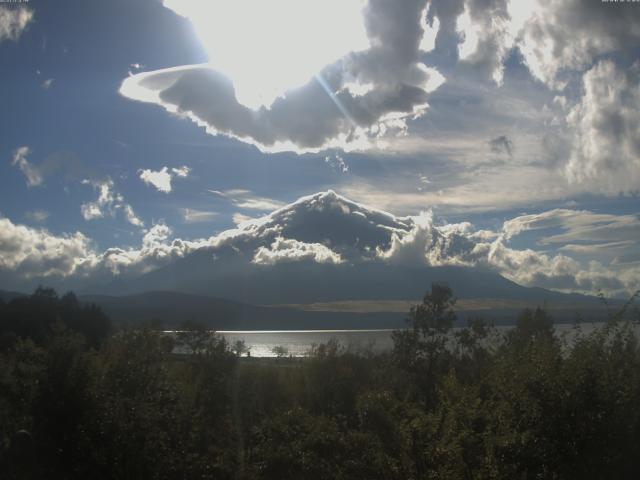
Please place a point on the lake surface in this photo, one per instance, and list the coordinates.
(299, 343)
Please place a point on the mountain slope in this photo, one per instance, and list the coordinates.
(172, 308)
(325, 247)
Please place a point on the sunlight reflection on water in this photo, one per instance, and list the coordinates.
(298, 343)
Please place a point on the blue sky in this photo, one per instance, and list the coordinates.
(485, 122)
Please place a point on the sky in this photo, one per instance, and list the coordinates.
(129, 126)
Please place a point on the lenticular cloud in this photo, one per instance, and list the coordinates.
(351, 103)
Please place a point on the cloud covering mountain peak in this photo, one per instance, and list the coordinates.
(328, 228)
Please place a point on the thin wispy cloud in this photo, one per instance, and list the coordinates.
(37, 216)
(336, 163)
(32, 173)
(246, 199)
(191, 215)
(108, 203)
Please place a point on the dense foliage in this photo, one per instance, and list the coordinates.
(77, 401)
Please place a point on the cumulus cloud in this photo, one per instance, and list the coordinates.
(555, 38)
(563, 36)
(290, 250)
(155, 251)
(363, 96)
(330, 229)
(559, 272)
(46, 85)
(487, 34)
(409, 247)
(161, 179)
(33, 252)
(108, 203)
(13, 22)
(606, 147)
(460, 244)
(27, 253)
(31, 172)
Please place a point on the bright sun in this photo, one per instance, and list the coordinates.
(267, 47)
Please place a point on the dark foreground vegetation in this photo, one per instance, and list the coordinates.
(78, 400)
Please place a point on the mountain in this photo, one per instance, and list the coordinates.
(322, 261)
(7, 296)
(327, 248)
(172, 308)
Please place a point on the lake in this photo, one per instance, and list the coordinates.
(298, 343)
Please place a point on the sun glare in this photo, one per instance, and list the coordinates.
(267, 48)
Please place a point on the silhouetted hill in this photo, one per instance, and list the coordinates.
(306, 282)
(171, 308)
(7, 296)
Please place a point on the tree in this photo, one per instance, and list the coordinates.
(195, 337)
(430, 323)
(422, 348)
(279, 351)
(240, 348)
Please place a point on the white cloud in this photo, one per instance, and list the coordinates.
(181, 171)
(410, 247)
(242, 198)
(336, 163)
(565, 36)
(290, 250)
(156, 251)
(576, 226)
(31, 252)
(130, 215)
(598, 248)
(27, 253)
(329, 110)
(488, 36)
(428, 41)
(606, 146)
(328, 228)
(47, 83)
(90, 211)
(191, 215)
(555, 38)
(31, 172)
(38, 216)
(240, 219)
(460, 244)
(108, 203)
(13, 22)
(161, 179)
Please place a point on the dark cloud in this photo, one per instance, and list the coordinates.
(360, 97)
(501, 144)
